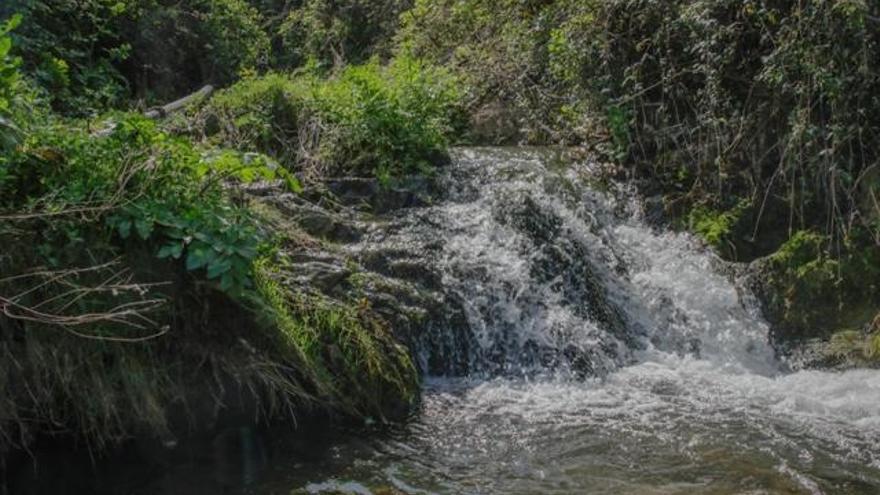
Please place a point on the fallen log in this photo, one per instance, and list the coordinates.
(163, 111)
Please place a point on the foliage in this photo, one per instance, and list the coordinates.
(500, 50)
(10, 87)
(716, 227)
(333, 33)
(139, 182)
(715, 100)
(393, 120)
(9, 75)
(179, 46)
(133, 261)
(93, 55)
(767, 101)
(386, 120)
(260, 113)
(70, 48)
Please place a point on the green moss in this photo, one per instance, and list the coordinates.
(349, 354)
(856, 346)
(802, 248)
(717, 227)
(824, 291)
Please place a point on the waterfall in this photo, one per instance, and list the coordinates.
(569, 346)
(554, 275)
(586, 349)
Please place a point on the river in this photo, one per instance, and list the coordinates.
(601, 355)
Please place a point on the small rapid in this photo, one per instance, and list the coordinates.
(602, 356)
(580, 350)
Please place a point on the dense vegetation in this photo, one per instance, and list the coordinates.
(126, 241)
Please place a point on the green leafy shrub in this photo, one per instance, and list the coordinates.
(70, 48)
(369, 119)
(140, 182)
(717, 228)
(391, 120)
(333, 33)
(10, 85)
(93, 55)
(500, 51)
(771, 102)
(9, 75)
(179, 46)
(260, 113)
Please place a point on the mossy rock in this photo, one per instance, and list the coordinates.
(809, 293)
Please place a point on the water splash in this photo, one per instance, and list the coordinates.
(607, 356)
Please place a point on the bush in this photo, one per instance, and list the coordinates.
(10, 84)
(94, 55)
(333, 33)
(369, 119)
(89, 193)
(499, 50)
(21, 106)
(717, 228)
(179, 46)
(71, 49)
(772, 102)
(10, 79)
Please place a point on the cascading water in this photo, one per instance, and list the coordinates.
(579, 350)
(600, 356)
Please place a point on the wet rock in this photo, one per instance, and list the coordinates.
(317, 221)
(655, 212)
(323, 276)
(370, 194)
(537, 223)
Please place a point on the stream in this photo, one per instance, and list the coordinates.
(600, 355)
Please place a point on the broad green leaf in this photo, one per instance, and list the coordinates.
(173, 250)
(227, 281)
(218, 267)
(124, 228)
(198, 257)
(144, 228)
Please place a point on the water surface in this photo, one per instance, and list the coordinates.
(602, 355)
